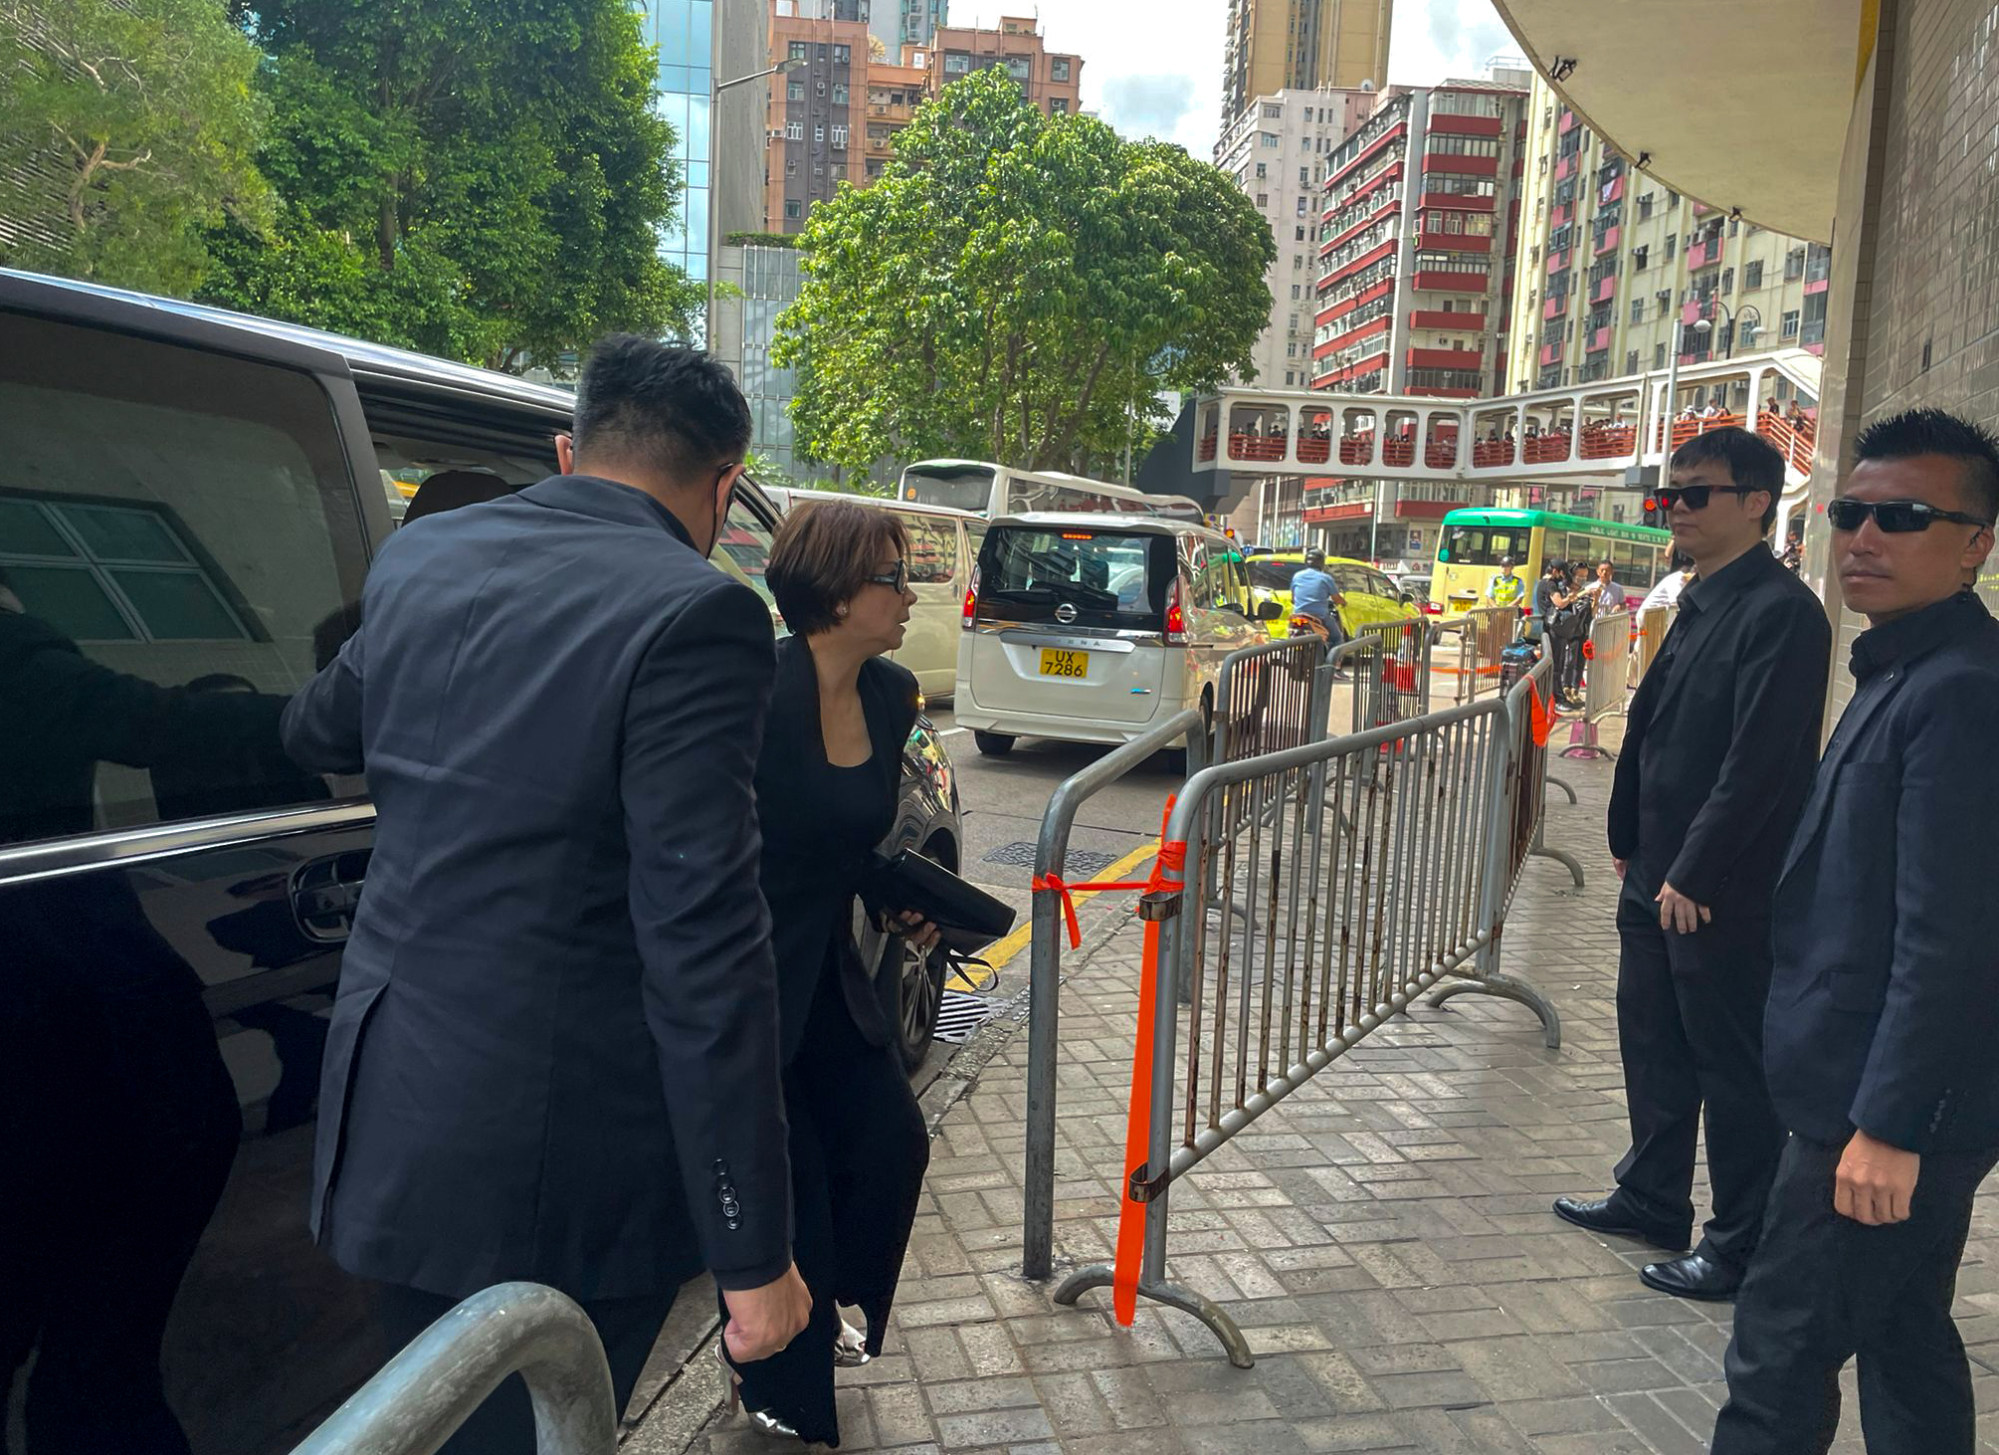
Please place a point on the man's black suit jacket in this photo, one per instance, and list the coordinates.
(1721, 739)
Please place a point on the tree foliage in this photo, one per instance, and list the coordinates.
(127, 131)
(484, 179)
(1019, 288)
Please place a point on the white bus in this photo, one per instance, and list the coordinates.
(994, 490)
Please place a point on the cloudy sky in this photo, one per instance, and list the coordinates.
(1154, 67)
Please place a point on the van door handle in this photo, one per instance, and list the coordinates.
(325, 893)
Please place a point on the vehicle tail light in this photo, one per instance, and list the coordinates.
(1176, 619)
(971, 600)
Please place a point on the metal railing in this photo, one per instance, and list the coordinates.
(1606, 680)
(1479, 636)
(1390, 662)
(1652, 628)
(1364, 871)
(421, 1397)
(1044, 976)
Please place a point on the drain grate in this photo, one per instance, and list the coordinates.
(1082, 862)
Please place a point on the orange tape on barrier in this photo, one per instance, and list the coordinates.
(1540, 719)
(1055, 884)
(1138, 1123)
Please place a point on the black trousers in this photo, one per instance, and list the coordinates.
(504, 1424)
(1560, 649)
(859, 1148)
(1824, 1288)
(1690, 1027)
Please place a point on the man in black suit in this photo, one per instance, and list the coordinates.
(1717, 761)
(554, 1051)
(1883, 1019)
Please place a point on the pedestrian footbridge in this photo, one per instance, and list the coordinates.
(1587, 434)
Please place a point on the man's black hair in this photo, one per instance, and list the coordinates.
(1753, 462)
(1933, 432)
(658, 405)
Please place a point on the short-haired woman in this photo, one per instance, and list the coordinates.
(828, 782)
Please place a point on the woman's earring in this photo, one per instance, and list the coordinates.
(841, 612)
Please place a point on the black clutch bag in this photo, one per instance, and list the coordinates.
(967, 918)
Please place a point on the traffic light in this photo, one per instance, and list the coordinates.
(1652, 513)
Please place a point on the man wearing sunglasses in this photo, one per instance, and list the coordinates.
(1883, 1021)
(1716, 765)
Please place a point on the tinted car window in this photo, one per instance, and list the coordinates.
(181, 521)
(933, 548)
(1269, 575)
(744, 550)
(1109, 578)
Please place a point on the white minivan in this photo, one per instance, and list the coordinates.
(1091, 628)
(943, 544)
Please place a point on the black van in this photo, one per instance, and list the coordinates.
(189, 500)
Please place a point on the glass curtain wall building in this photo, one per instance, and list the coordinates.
(684, 32)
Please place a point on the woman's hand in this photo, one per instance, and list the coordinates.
(914, 928)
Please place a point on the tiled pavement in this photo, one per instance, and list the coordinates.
(1383, 1237)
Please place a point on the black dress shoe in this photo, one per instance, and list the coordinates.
(1694, 1276)
(1610, 1218)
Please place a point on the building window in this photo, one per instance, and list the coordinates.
(1272, 109)
(843, 55)
(1631, 362)
(1058, 68)
(1263, 199)
(794, 131)
(1645, 207)
(957, 63)
(1262, 170)
(1791, 319)
(1638, 310)
(1672, 244)
(1794, 267)
(1658, 356)
(791, 208)
(1752, 275)
(798, 50)
(1304, 176)
(791, 166)
(1019, 67)
(819, 134)
(1058, 106)
(794, 90)
(1301, 206)
(839, 136)
(1270, 139)
(1299, 234)
(839, 93)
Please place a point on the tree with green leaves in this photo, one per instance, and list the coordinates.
(127, 130)
(484, 179)
(1019, 288)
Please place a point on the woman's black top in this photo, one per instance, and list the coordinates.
(821, 825)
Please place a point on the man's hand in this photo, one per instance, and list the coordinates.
(1875, 1183)
(764, 1320)
(913, 927)
(1677, 912)
(1620, 865)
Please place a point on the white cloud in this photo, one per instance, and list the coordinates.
(1154, 67)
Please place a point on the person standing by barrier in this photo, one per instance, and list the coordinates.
(1505, 589)
(1606, 597)
(1882, 1018)
(1717, 762)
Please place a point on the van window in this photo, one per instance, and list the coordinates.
(744, 550)
(175, 529)
(933, 549)
(1113, 579)
(1268, 575)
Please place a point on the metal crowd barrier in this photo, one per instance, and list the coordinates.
(1481, 635)
(1044, 975)
(1366, 869)
(1390, 662)
(421, 1397)
(1606, 680)
(1652, 628)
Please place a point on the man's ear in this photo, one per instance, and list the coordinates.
(565, 453)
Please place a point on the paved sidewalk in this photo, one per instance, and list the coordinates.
(1383, 1237)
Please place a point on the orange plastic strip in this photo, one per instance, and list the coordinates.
(1166, 874)
(1055, 884)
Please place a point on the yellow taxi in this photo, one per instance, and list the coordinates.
(1369, 596)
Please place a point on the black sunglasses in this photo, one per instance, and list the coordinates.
(1695, 497)
(898, 578)
(1894, 517)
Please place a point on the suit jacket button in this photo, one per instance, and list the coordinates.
(721, 1167)
(732, 1224)
(730, 1207)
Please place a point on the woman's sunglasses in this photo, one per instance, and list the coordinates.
(1695, 497)
(898, 578)
(1894, 517)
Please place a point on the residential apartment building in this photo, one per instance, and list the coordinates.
(817, 110)
(1051, 80)
(1417, 238)
(1277, 153)
(834, 118)
(1301, 45)
(1611, 258)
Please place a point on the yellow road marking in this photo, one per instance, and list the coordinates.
(1017, 940)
